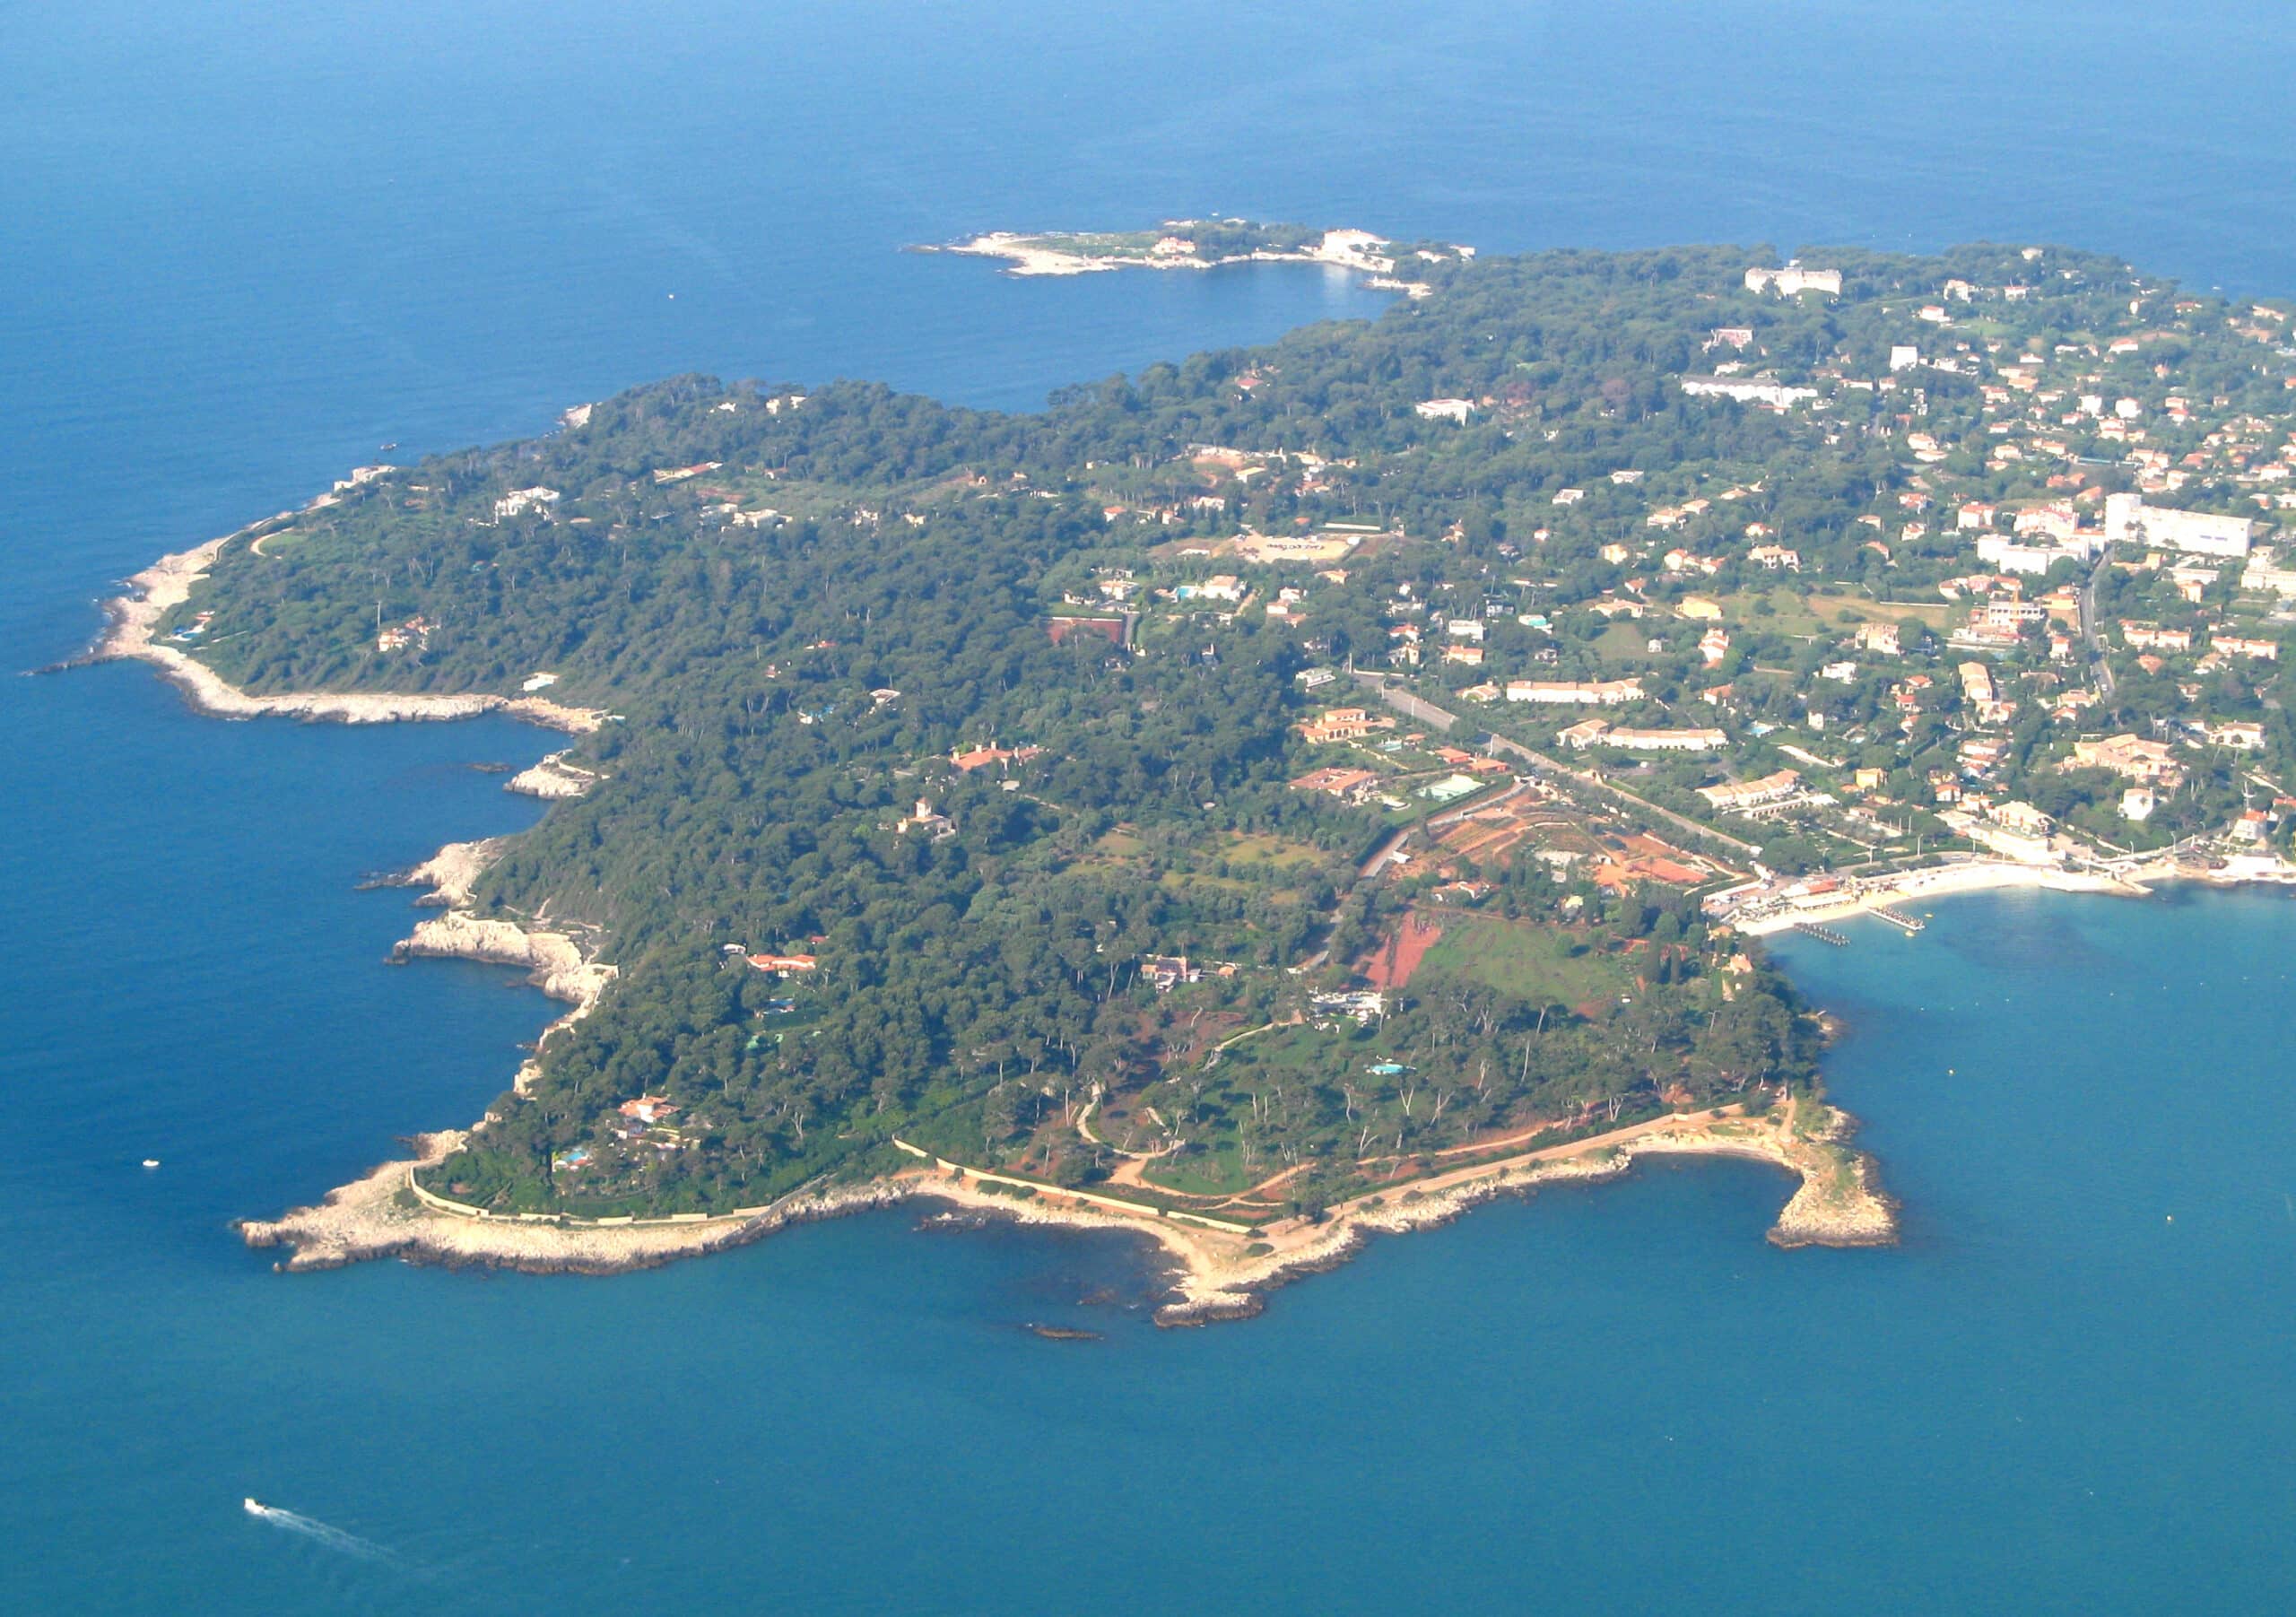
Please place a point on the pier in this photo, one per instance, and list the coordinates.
(1824, 934)
(1907, 923)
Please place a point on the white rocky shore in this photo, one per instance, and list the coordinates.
(1038, 254)
(553, 776)
(555, 962)
(381, 1215)
(454, 871)
(167, 583)
(1838, 1203)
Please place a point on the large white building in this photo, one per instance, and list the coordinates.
(1595, 693)
(1597, 733)
(2006, 556)
(2128, 520)
(1778, 395)
(2262, 573)
(1794, 279)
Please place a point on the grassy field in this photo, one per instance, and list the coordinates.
(1276, 867)
(1217, 1171)
(1238, 849)
(278, 544)
(1096, 244)
(1546, 965)
(1626, 641)
(1284, 1055)
(1819, 612)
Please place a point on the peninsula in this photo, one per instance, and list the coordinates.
(1297, 792)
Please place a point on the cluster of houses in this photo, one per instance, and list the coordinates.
(414, 634)
(2039, 419)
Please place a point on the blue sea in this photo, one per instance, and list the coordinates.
(241, 247)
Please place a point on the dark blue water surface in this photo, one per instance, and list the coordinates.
(241, 247)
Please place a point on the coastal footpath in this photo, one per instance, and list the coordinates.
(1216, 1274)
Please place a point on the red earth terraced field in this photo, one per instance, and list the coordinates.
(1392, 965)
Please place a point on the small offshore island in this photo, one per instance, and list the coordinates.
(1203, 244)
(1303, 791)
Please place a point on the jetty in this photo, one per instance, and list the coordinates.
(1905, 923)
(1824, 934)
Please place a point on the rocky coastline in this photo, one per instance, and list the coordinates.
(1824, 1210)
(377, 1216)
(131, 620)
(552, 777)
(1215, 1276)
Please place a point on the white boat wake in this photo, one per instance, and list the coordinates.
(332, 1538)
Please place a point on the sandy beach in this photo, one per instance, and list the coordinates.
(2131, 878)
(1936, 882)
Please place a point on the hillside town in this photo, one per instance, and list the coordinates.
(2048, 632)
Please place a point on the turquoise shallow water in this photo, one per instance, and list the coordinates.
(242, 251)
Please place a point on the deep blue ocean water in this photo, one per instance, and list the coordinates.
(241, 247)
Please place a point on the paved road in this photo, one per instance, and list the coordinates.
(1405, 702)
(2092, 639)
(1383, 853)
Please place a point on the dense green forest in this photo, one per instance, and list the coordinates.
(800, 603)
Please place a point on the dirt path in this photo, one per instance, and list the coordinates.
(1672, 1123)
(1478, 1147)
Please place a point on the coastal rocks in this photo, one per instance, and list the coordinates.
(381, 1215)
(557, 964)
(555, 715)
(1238, 1291)
(552, 777)
(1839, 1203)
(453, 871)
(1864, 1218)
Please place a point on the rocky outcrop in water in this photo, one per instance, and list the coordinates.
(553, 776)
